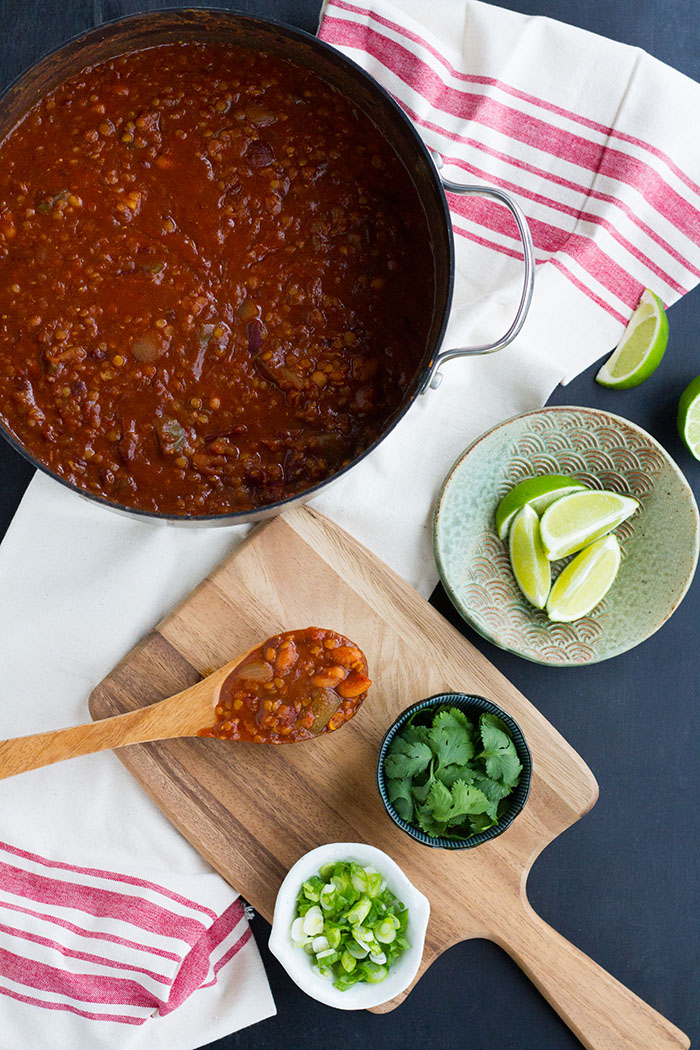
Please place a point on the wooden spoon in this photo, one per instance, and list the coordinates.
(292, 687)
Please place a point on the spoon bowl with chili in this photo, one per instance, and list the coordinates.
(294, 686)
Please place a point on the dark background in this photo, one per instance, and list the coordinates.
(622, 884)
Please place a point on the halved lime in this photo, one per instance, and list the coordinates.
(577, 520)
(689, 416)
(641, 348)
(585, 581)
(539, 492)
(527, 557)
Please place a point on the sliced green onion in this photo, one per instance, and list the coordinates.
(298, 935)
(350, 924)
(334, 936)
(385, 931)
(313, 921)
(358, 951)
(327, 896)
(360, 912)
(312, 888)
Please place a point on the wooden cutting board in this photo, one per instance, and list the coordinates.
(252, 811)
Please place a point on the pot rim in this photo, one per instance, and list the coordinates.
(268, 509)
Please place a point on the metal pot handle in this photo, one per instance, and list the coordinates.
(435, 378)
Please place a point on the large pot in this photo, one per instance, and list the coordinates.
(161, 27)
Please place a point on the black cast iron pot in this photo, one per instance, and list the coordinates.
(161, 27)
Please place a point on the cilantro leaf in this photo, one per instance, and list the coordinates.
(407, 759)
(448, 774)
(466, 799)
(428, 823)
(501, 758)
(452, 717)
(452, 744)
(493, 732)
(420, 791)
(480, 822)
(440, 801)
(493, 790)
(413, 733)
(399, 794)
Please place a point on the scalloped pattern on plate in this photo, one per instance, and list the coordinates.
(603, 451)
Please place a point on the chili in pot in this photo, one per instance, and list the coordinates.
(214, 272)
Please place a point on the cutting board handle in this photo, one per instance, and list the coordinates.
(599, 1010)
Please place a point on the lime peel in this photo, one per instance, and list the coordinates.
(641, 347)
(688, 419)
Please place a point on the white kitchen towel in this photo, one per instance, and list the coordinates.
(592, 139)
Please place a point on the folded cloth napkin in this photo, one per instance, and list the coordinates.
(107, 916)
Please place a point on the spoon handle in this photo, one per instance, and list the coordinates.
(156, 722)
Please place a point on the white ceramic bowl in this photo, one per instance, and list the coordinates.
(298, 964)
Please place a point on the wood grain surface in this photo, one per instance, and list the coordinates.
(252, 811)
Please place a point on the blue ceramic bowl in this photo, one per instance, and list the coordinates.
(472, 706)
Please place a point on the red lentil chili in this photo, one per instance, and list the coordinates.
(294, 686)
(216, 280)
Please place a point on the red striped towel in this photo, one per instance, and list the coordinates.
(106, 946)
(591, 136)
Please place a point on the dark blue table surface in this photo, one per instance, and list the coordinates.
(623, 883)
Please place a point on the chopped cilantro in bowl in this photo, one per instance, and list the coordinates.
(454, 771)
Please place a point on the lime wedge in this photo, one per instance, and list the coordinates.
(539, 492)
(585, 581)
(641, 348)
(527, 557)
(689, 416)
(576, 520)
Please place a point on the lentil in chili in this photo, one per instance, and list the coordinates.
(294, 686)
(216, 280)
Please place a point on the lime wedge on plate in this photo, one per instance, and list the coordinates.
(539, 492)
(585, 581)
(689, 416)
(641, 348)
(527, 557)
(577, 520)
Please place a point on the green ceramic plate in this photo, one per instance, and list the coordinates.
(659, 543)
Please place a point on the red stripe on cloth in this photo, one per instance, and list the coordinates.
(99, 902)
(585, 216)
(552, 239)
(69, 1008)
(559, 265)
(558, 180)
(474, 78)
(471, 236)
(129, 880)
(86, 988)
(234, 950)
(95, 934)
(532, 131)
(195, 966)
(101, 960)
